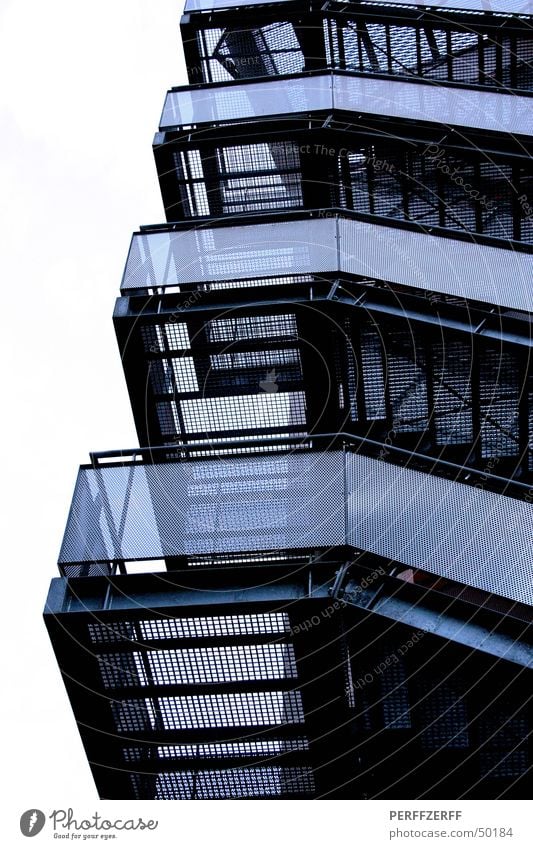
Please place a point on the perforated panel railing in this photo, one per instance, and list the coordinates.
(289, 501)
(239, 102)
(244, 504)
(461, 532)
(496, 6)
(321, 245)
(167, 258)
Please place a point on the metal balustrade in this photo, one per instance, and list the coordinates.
(191, 107)
(292, 501)
(328, 244)
(510, 7)
(517, 7)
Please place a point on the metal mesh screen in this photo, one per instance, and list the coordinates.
(189, 627)
(260, 503)
(441, 714)
(171, 258)
(235, 53)
(255, 782)
(500, 394)
(213, 664)
(223, 710)
(430, 263)
(429, 184)
(468, 108)
(451, 53)
(452, 392)
(242, 749)
(506, 731)
(236, 178)
(457, 531)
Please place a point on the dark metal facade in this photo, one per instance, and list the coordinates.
(271, 688)
(327, 348)
(392, 170)
(443, 46)
(429, 374)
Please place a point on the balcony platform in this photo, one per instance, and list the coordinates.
(255, 689)
(303, 354)
(328, 242)
(298, 498)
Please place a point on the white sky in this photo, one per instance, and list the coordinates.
(82, 91)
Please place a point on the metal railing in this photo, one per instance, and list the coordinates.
(306, 499)
(335, 90)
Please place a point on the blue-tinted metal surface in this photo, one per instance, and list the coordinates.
(286, 501)
(330, 244)
(524, 7)
(415, 101)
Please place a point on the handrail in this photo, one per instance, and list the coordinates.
(347, 440)
(348, 72)
(460, 7)
(243, 219)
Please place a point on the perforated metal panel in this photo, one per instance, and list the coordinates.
(502, 6)
(250, 100)
(251, 504)
(465, 108)
(435, 264)
(431, 263)
(453, 107)
(460, 532)
(171, 258)
(457, 531)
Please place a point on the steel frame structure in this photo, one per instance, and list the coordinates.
(201, 173)
(356, 339)
(334, 488)
(464, 48)
(142, 734)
